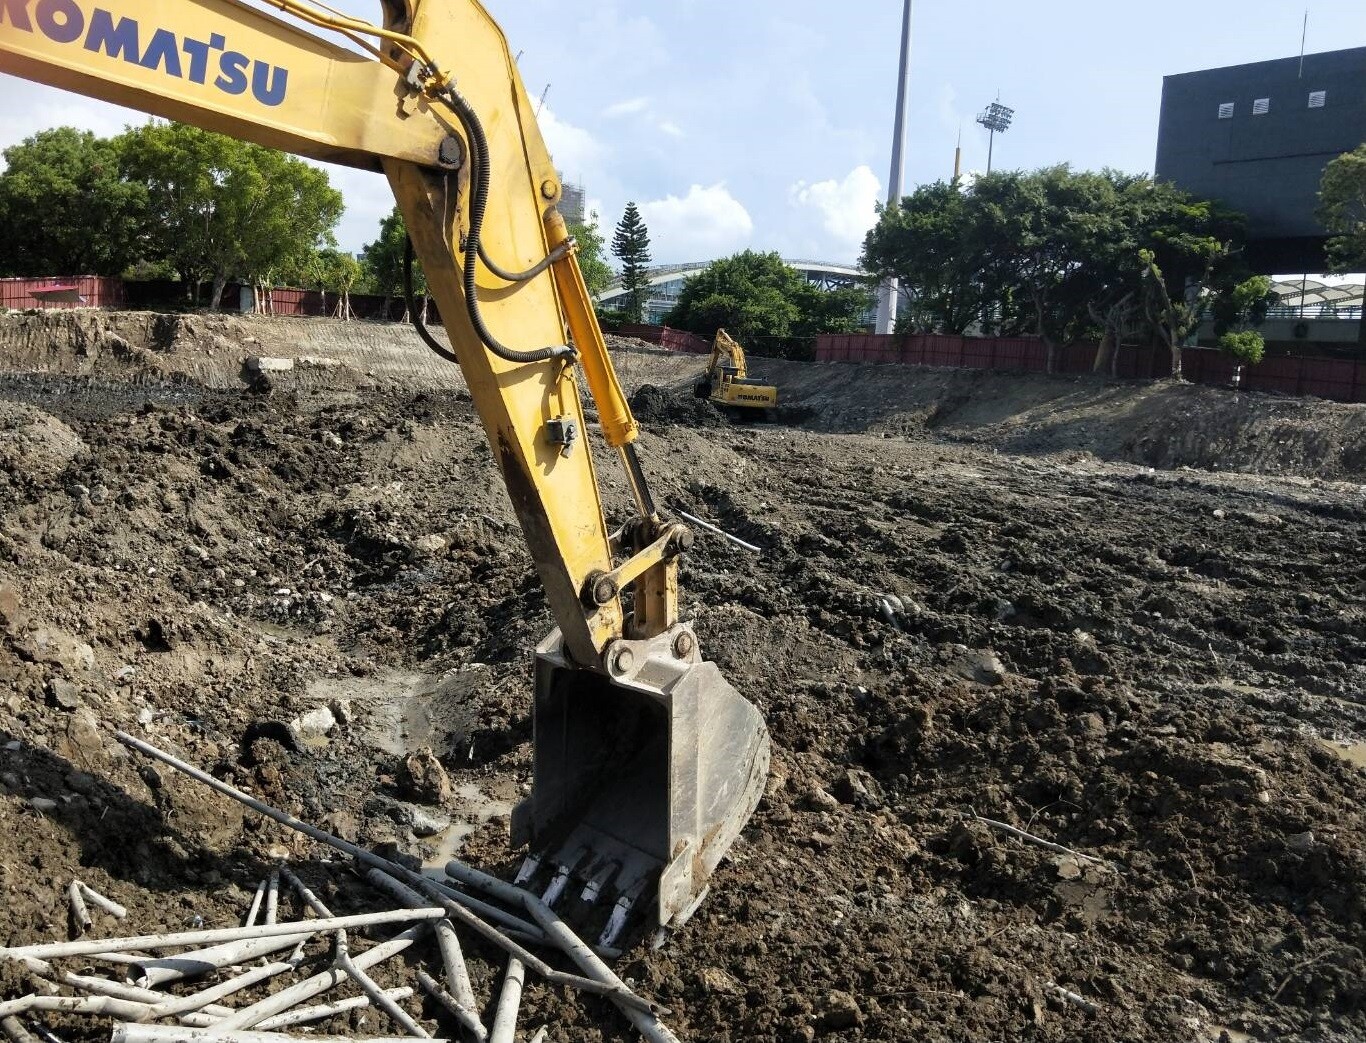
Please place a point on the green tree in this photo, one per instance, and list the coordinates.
(1342, 209)
(926, 242)
(225, 207)
(382, 262)
(328, 271)
(631, 246)
(596, 272)
(760, 300)
(65, 209)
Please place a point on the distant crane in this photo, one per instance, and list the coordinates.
(542, 101)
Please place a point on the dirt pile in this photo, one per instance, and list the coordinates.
(666, 406)
(1159, 670)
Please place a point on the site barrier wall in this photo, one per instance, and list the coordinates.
(665, 337)
(1343, 380)
(95, 291)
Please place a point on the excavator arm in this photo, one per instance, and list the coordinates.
(646, 762)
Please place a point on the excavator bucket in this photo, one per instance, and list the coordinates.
(642, 781)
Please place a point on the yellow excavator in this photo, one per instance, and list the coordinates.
(726, 382)
(647, 763)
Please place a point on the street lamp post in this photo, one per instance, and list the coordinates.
(996, 119)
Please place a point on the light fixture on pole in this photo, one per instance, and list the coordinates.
(996, 119)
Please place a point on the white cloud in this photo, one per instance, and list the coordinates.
(629, 107)
(846, 209)
(573, 149)
(671, 128)
(706, 223)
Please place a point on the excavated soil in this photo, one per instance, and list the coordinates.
(975, 601)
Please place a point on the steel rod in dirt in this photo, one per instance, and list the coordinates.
(110, 906)
(618, 992)
(491, 912)
(74, 1005)
(694, 520)
(14, 1029)
(150, 972)
(509, 1003)
(121, 991)
(647, 1023)
(1006, 827)
(273, 895)
(255, 910)
(467, 1018)
(80, 915)
(249, 1017)
(342, 958)
(457, 974)
(132, 1033)
(319, 1011)
(290, 929)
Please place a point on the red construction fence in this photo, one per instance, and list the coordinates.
(674, 340)
(1343, 380)
(94, 291)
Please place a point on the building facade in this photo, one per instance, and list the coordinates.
(1256, 138)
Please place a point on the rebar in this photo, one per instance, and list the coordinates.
(150, 972)
(647, 1023)
(80, 915)
(285, 999)
(325, 1010)
(614, 989)
(509, 1002)
(291, 930)
(133, 1033)
(457, 974)
(110, 906)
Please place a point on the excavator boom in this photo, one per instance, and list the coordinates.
(646, 761)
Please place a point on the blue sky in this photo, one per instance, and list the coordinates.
(768, 125)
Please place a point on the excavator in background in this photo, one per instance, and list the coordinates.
(646, 762)
(727, 385)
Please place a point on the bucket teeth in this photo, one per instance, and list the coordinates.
(621, 913)
(557, 883)
(527, 870)
(599, 881)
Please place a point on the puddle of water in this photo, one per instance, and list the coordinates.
(401, 711)
(1351, 752)
(472, 808)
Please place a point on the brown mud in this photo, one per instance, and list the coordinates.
(961, 612)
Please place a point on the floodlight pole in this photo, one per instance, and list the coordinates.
(887, 291)
(991, 142)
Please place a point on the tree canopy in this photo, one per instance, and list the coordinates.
(1064, 254)
(226, 207)
(760, 300)
(631, 246)
(66, 209)
(1342, 209)
(596, 273)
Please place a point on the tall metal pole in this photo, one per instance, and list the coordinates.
(887, 292)
(991, 142)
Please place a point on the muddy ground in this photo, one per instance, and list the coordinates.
(958, 614)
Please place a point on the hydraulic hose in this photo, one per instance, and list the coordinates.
(479, 150)
(536, 269)
(408, 303)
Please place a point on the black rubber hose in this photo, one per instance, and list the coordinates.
(479, 150)
(409, 303)
(536, 269)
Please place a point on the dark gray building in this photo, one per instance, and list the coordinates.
(1257, 137)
